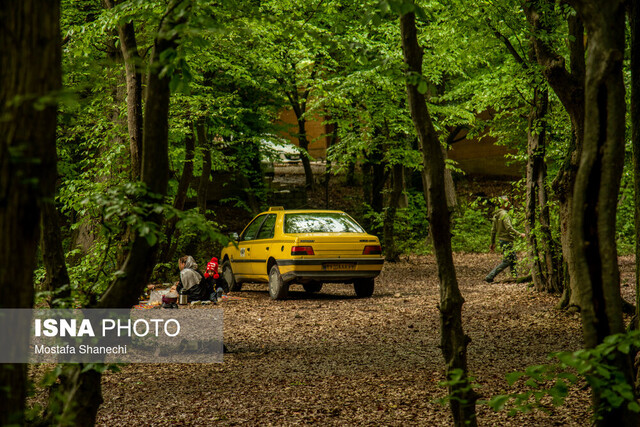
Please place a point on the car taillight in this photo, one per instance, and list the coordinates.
(302, 250)
(372, 250)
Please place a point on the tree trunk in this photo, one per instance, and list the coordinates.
(597, 188)
(453, 341)
(132, 62)
(535, 161)
(390, 247)
(170, 245)
(125, 289)
(634, 22)
(367, 182)
(546, 268)
(569, 87)
(299, 105)
(350, 179)
(30, 72)
(327, 169)
(304, 144)
(449, 186)
(205, 178)
(57, 278)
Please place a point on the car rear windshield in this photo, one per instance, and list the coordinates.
(318, 222)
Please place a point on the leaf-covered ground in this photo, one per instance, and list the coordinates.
(333, 359)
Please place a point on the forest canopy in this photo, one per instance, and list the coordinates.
(134, 132)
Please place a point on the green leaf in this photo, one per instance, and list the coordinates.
(422, 86)
(624, 347)
(633, 406)
(151, 238)
(497, 402)
(513, 377)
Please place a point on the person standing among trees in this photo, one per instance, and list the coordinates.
(503, 229)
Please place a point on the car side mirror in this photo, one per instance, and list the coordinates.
(234, 236)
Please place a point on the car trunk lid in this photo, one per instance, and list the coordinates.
(336, 244)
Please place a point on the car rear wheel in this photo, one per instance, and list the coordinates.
(312, 287)
(364, 287)
(277, 288)
(227, 275)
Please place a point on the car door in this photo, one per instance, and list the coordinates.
(242, 262)
(262, 245)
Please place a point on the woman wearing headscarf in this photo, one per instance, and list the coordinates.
(191, 280)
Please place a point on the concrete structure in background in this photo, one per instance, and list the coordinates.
(483, 157)
(318, 134)
(480, 156)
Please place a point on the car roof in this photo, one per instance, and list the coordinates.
(280, 209)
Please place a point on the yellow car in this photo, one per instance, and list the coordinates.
(310, 247)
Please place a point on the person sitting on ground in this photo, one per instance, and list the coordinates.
(504, 231)
(213, 279)
(191, 280)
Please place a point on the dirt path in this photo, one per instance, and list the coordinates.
(332, 359)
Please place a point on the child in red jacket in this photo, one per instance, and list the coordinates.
(211, 274)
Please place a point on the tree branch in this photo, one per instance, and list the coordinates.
(512, 50)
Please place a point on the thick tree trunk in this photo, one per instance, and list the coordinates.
(597, 188)
(569, 87)
(134, 95)
(546, 268)
(634, 22)
(569, 296)
(76, 393)
(390, 247)
(205, 178)
(449, 186)
(453, 341)
(132, 62)
(30, 74)
(550, 251)
(56, 278)
(124, 290)
(535, 162)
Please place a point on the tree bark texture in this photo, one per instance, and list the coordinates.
(30, 75)
(535, 162)
(546, 270)
(634, 22)
(569, 87)
(124, 290)
(327, 169)
(304, 144)
(299, 105)
(453, 341)
(57, 277)
(449, 185)
(390, 248)
(597, 187)
(132, 63)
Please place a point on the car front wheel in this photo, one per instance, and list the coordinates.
(364, 287)
(277, 288)
(227, 275)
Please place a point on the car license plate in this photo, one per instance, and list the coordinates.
(340, 266)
